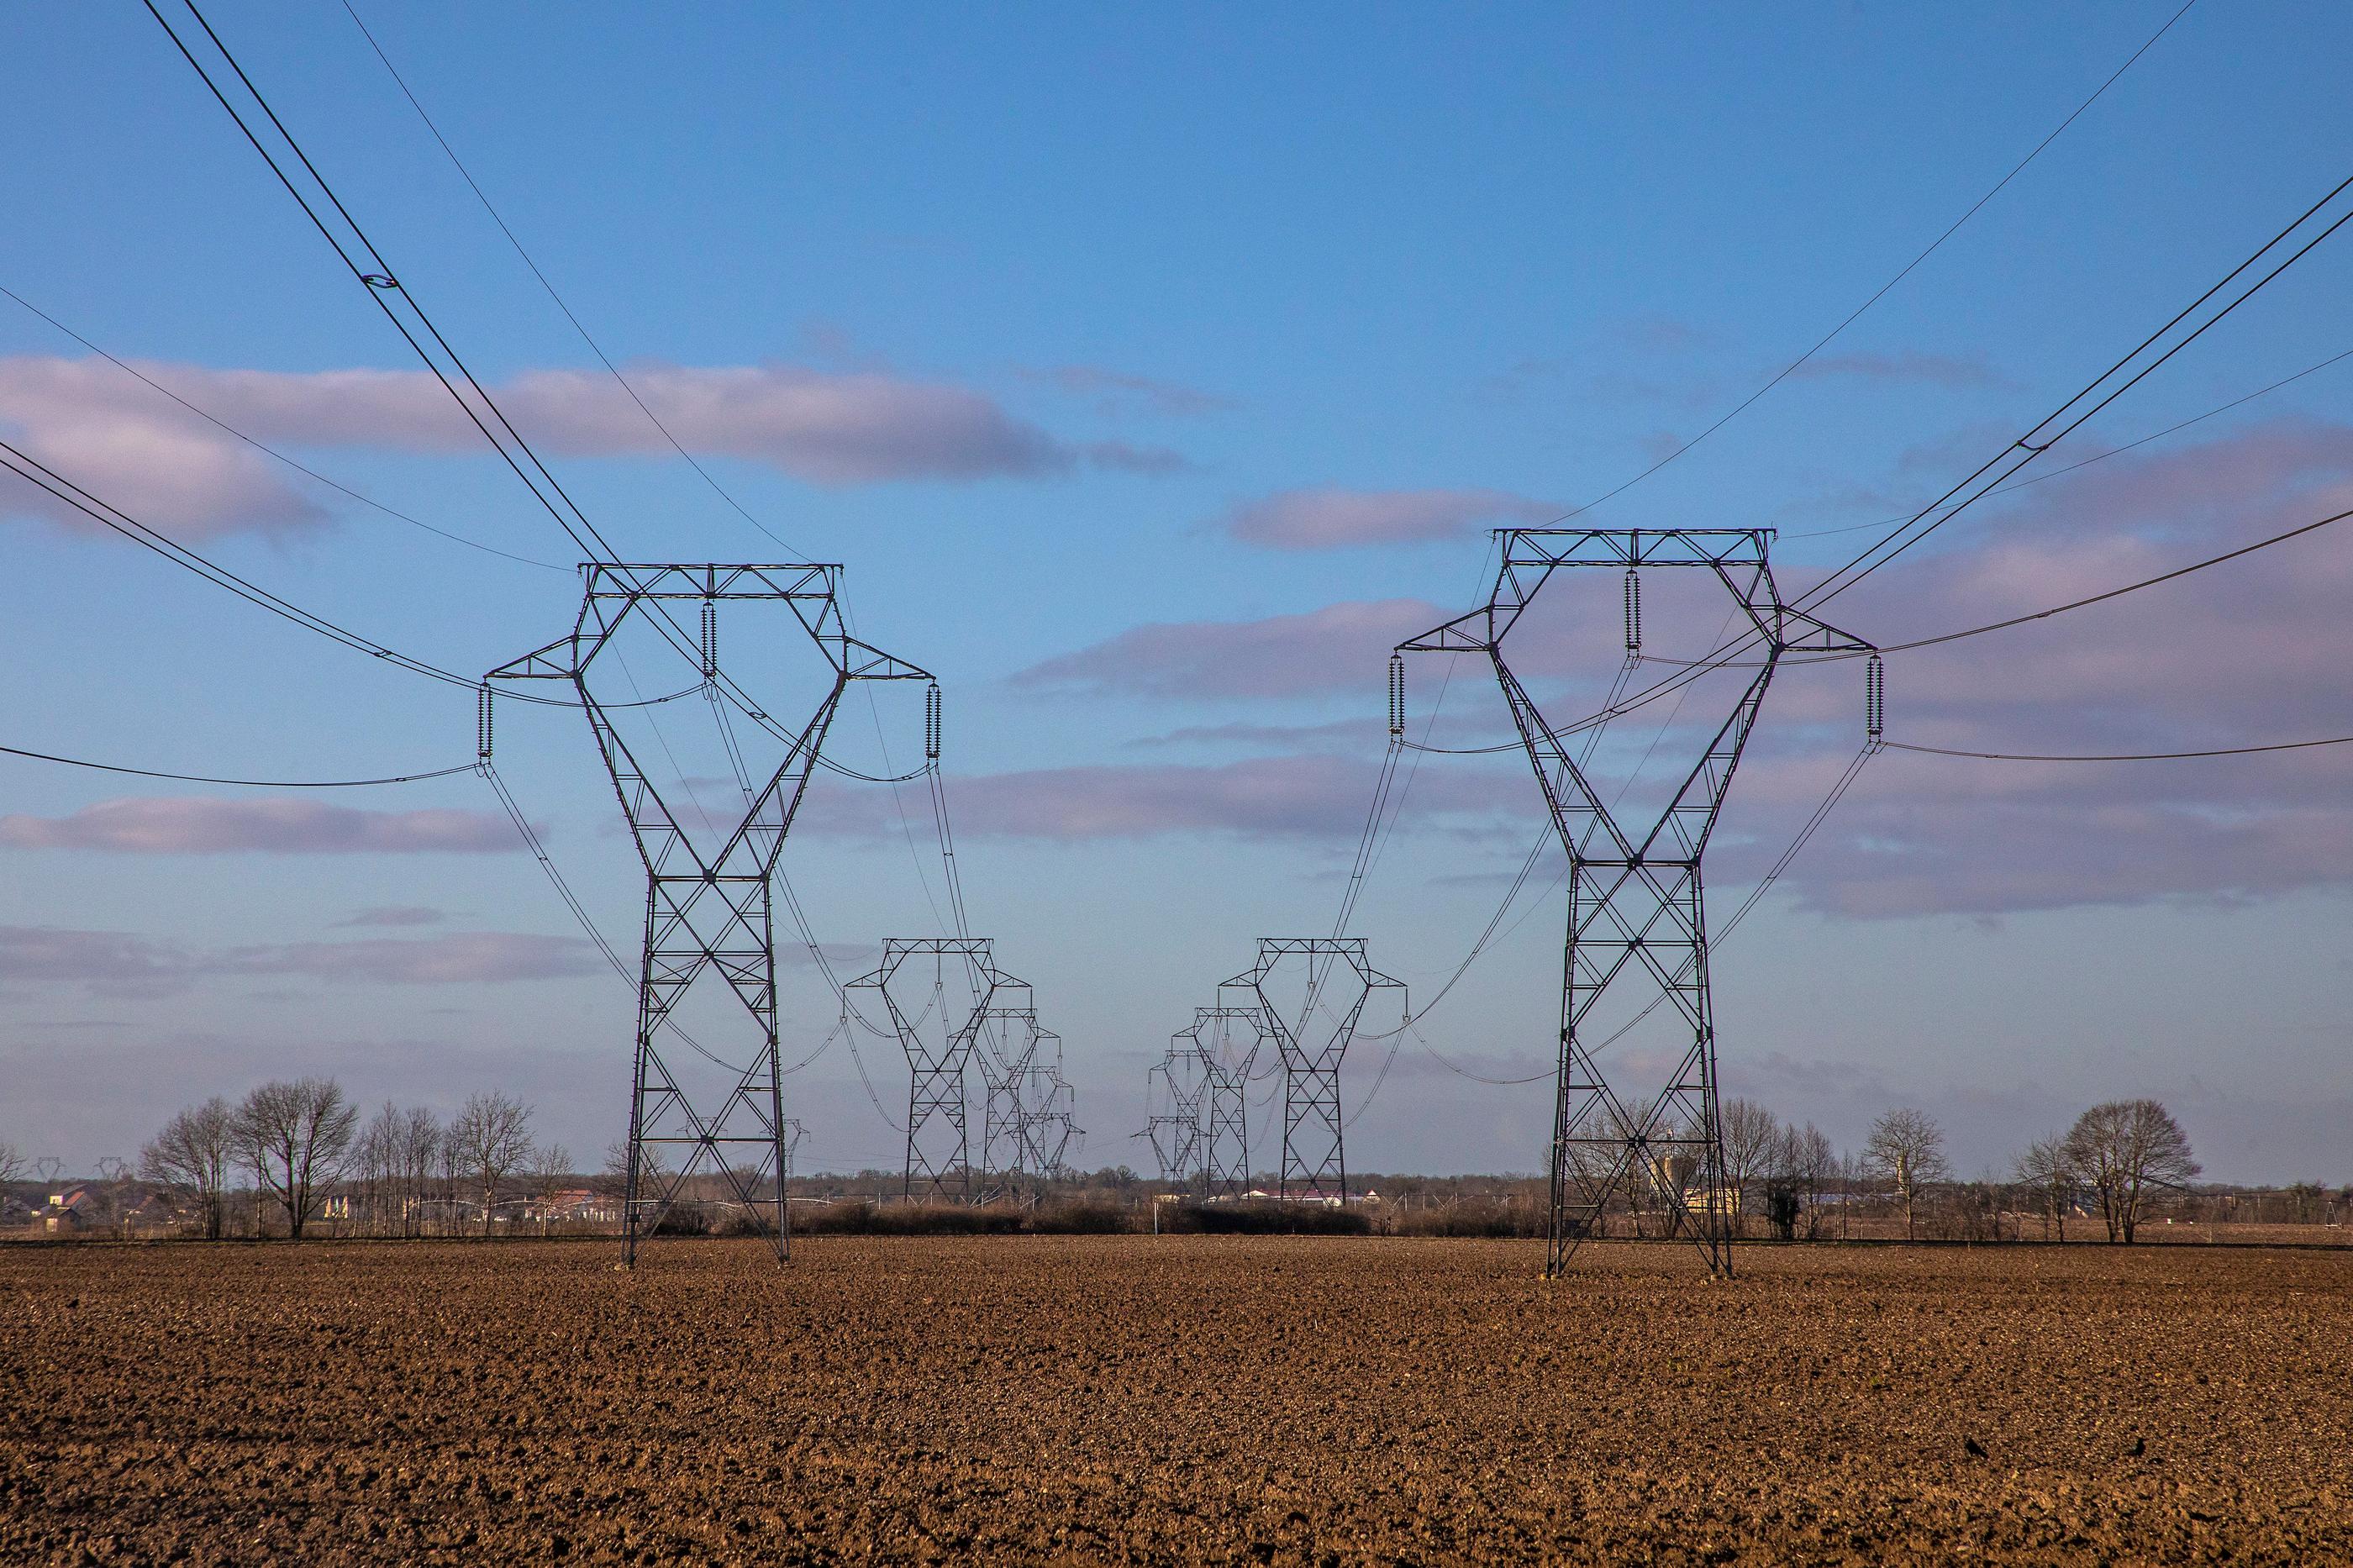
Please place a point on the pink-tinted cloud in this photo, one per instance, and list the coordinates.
(395, 915)
(1260, 797)
(1115, 393)
(849, 428)
(267, 825)
(459, 958)
(2248, 653)
(138, 450)
(1335, 519)
(120, 963)
(1338, 648)
(105, 962)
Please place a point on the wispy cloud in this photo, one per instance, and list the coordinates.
(395, 915)
(1336, 648)
(2250, 653)
(121, 963)
(270, 825)
(1310, 797)
(1115, 393)
(140, 450)
(1335, 519)
(105, 962)
(460, 957)
(1956, 371)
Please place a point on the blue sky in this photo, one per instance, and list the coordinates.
(1080, 336)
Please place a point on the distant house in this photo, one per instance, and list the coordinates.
(67, 1213)
(572, 1205)
(154, 1215)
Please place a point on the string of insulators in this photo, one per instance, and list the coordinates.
(710, 640)
(1396, 695)
(483, 722)
(1874, 698)
(1633, 611)
(932, 722)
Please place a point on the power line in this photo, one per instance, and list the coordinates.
(579, 911)
(57, 485)
(577, 325)
(366, 264)
(256, 783)
(1787, 371)
(2016, 456)
(2102, 457)
(271, 451)
(34, 472)
(2115, 593)
(2124, 756)
(2070, 416)
(2296, 532)
(937, 785)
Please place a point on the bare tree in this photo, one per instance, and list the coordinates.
(2306, 1197)
(2122, 1149)
(1750, 1134)
(296, 1136)
(373, 1159)
(416, 1145)
(195, 1150)
(551, 1167)
(450, 1171)
(1907, 1148)
(492, 1138)
(12, 1164)
(1802, 1162)
(2048, 1170)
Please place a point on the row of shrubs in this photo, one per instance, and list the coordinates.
(861, 1218)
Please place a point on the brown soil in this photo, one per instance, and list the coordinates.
(1131, 1398)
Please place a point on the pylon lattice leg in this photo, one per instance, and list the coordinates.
(1635, 904)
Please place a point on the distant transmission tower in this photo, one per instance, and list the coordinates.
(707, 898)
(1332, 981)
(1011, 1044)
(939, 992)
(1634, 895)
(1178, 1083)
(1049, 1111)
(1226, 1040)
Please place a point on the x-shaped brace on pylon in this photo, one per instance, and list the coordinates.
(1671, 881)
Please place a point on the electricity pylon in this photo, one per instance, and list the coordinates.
(1178, 1081)
(1634, 894)
(1333, 969)
(1010, 1045)
(707, 902)
(938, 1036)
(1228, 1058)
(1048, 1111)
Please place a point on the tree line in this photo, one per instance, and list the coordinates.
(301, 1140)
(2116, 1159)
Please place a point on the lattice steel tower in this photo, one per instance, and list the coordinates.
(1634, 894)
(1179, 1082)
(1049, 1110)
(1011, 1047)
(1226, 1040)
(707, 902)
(1312, 1039)
(938, 1034)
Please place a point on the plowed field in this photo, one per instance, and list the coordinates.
(1144, 1399)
